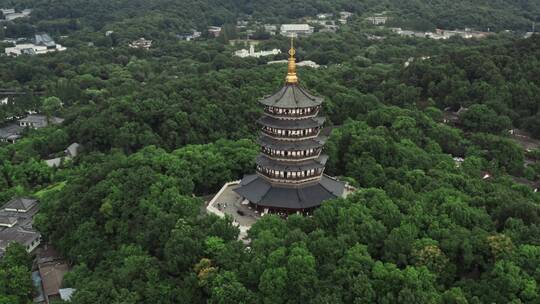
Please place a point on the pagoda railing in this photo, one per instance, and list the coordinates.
(291, 116)
(292, 158)
(290, 137)
(296, 180)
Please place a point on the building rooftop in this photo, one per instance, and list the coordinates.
(21, 203)
(66, 293)
(41, 119)
(291, 96)
(7, 221)
(73, 149)
(19, 235)
(11, 131)
(295, 27)
(52, 275)
(262, 193)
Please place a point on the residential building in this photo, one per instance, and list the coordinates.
(16, 224)
(7, 11)
(271, 29)
(10, 14)
(37, 121)
(141, 43)
(189, 36)
(10, 133)
(377, 20)
(50, 275)
(325, 16)
(296, 30)
(69, 153)
(344, 17)
(214, 31)
(20, 204)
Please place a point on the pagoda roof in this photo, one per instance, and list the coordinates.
(317, 163)
(291, 96)
(303, 144)
(293, 124)
(261, 192)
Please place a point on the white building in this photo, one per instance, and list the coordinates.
(189, 36)
(43, 44)
(16, 224)
(32, 49)
(243, 53)
(345, 15)
(214, 31)
(296, 30)
(141, 43)
(270, 28)
(305, 63)
(377, 20)
(7, 11)
(10, 14)
(325, 16)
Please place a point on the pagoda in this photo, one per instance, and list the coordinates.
(290, 168)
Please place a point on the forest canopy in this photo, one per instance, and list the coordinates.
(444, 212)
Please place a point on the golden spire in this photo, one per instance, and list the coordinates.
(291, 71)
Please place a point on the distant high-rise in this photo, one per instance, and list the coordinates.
(290, 168)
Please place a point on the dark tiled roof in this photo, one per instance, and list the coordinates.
(52, 275)
(41, 119)
(10, 131)
(288, 145)
(291, 96)
(21, 203)
(19, 235)
(291, 123)
(261, 192)
(269, 163)
(6, 220)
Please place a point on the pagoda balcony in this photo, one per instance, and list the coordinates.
(290, 180)
(291, 155)
(290, 137)
(291, 116)
(292, 158)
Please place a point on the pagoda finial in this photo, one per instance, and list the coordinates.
(291, 71)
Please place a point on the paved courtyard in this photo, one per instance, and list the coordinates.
(227, 202)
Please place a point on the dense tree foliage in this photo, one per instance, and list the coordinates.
(164, 127)
(167, 17)
(15, 278)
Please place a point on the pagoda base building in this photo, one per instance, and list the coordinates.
(290, 175)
